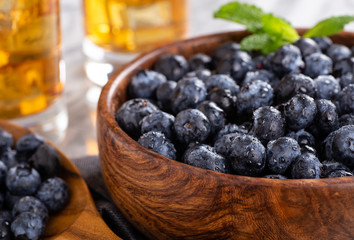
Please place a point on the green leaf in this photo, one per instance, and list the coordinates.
(329, 26)
(278, 28)
(260, 42)
(245, 14)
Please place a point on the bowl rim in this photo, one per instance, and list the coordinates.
(106, 106)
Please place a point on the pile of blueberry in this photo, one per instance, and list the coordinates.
(289, 114)
(30, 186)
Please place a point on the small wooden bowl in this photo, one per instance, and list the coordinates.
(166, 199)
(79, 220)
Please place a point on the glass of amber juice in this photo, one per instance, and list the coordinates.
(30, 57)
(117, 30)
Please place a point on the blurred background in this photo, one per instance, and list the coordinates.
(81, 95)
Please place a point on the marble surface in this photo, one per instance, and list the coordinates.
(79, 96)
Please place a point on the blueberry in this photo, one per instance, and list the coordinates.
(236, 65)
(263, 61)
(293, 84)
(346, 119)
(326, 118)
(188, 93)
(5, 230)
(343, 145)
(191, 125)
(199, 61)
(323, 42)
(303, 137)
(246, 153)
(299, 112)
(326, 150)
(9, 158)
(254, 95)
(330, 166)
(158, 122)
(230, 128)
(306, 166)
(11, 199)
(343, 66)
(5, 215)
(268, 124)
(308, 149)
(157, 142)
(202, 74)
(6, 141)
(281, 153)
(223, 50)
(224, 99)
(215, 115)
(27, 145)
(204, 156)
(261, 74)
(30, 204)
(130, 114)
(307, 46)
(317, 64)
(326, 87)
(222, 81)
(163, 95)
(339, 173)
(346, 79)
(28, 225)
(173, 66)
(338, 52)
(345, 100)
(275, 176)
(287, 59)
(3, 173)
(46, 161)
(144, 84)
(54, 193)
(23, 180)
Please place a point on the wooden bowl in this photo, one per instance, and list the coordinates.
(79, 220)
(166, 199)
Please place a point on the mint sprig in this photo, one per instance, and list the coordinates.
(271, 32)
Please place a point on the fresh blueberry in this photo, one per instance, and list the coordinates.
(343, 145)
(173, 66)
(293, 84)
(236, 65)
(254, 95)
(330, 166)
(326, 87)
(326, 118)
(199, 61)
(263, 61)
(202, 74)
(157, 142)
(158, 122)
(261, 74)
(317, 64)
(163, 95)
(3, 173)
(23, 180)
(46, 161)
(338, 52)
(28, 225)
(54, 193)
(299, 112)
(144, 84)
(224, 99)
(303, 138)
(188, 93)
(343, 66)
(27, 145)
(281, 153)
(130, 114)
(323, 42)
(346, 79)
(223, 50)
(306, 166)
(222, 81)
(246, 153)
(9, 158)
(308, 149)
(5, 215)
(230, 128)
(339, 173)
(275, 176)
(346, 119)
(6, 141)
(215, 115)
(204, 156)
(5, 230)
(191, 125)
(326, 150)
(307, 46)
(345, 100)
(11, 199)
(30, 204)
(287, 59)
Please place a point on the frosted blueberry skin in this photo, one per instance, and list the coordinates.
(27, 145)
(5, 230)
(343, 66)
(306, 166)
(6, 141)
(338, 52)
(317, 64)
(307, 46)
(326, 87)
(173, 66)
(163, 95)
(261, 74)
(157, 142)
(225, 100)
(323, 42)
(23, 180)
(199, 61)
(30, 204)
(346, 119)
(144, 84)
(191, 125)
(230, 128)
(326, 119)
(202, 74)
(330, 166)
(223, 51)
(339, 173)
(343, 145)
(287, 59)
(222, 81)
(344, 100)
(215, 115)
(158, 122)
(28, 225)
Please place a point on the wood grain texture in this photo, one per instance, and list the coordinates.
(79, 219)
(166, 199)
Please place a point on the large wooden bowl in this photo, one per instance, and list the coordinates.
(166, 199)
(79, 220)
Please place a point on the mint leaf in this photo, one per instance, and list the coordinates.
(329, 26)
(278, 28)
(260, 42)
(245, 14)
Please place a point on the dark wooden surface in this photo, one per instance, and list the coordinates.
(79, 219)
(166, 199)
